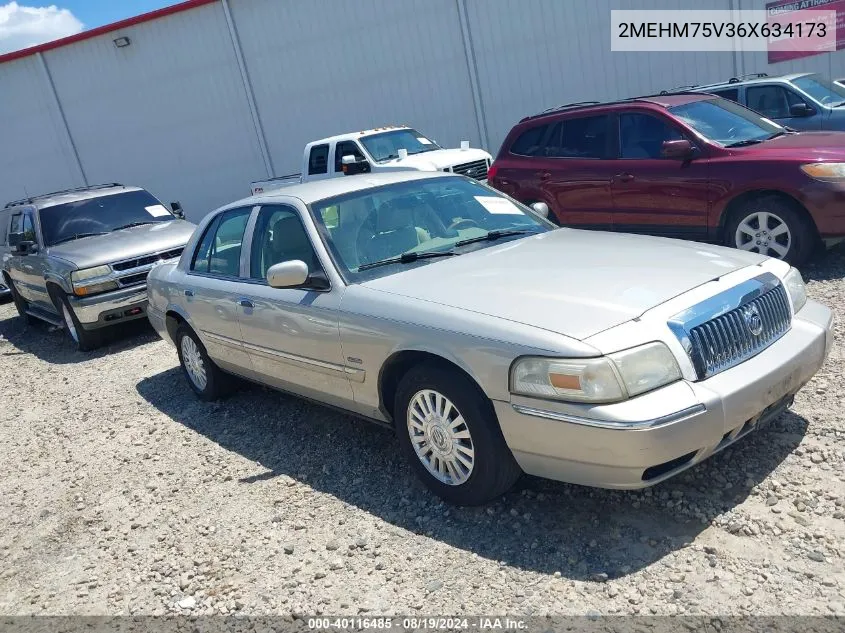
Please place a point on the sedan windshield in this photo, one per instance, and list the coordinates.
(103, 214)
(726, 123)
(386, 145)
(822, 90)
(411, 223)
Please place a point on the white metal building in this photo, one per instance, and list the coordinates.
(211, 94)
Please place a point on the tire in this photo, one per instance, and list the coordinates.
(85, 340)
(478, 440)
(206, 379)
(21, 304)
(771, 226)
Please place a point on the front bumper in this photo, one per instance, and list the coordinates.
(645, 440)
(110, 308)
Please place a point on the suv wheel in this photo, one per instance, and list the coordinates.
(771, 226)
(85, 340)
(21, 304)
(206, 379)
(449, 433)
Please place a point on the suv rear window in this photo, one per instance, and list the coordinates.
(528, 143)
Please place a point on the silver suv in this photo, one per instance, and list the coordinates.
(803, 101)
(79, 258)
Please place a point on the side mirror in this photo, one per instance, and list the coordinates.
(15, 239)
(541, 208)
(177, 210)
(25, 247)
(801, 109)
(287, 274)
(317, 280)
(351, 165)
(680, 149)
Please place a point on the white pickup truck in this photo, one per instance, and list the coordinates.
(378, 150)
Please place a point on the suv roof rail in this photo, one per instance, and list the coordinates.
(576, 104)
(31, 199)
(677, 89)
(664, 93)
(736, 80)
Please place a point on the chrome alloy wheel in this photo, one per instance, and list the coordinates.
(765, 233)
(69, 324)
(440, 437)
(194, 365)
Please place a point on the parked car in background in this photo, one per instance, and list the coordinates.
(379, 150)
(803, 101)
(689, 165)
(432, 303)
(79, 258)
(840, 82)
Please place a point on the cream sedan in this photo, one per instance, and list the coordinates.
(492, 342)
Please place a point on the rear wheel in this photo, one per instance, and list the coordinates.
(449, 433)
(21, 304)
(206, 379)
(85, 340)
(771, 226)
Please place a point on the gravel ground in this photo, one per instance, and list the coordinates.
(121, 493)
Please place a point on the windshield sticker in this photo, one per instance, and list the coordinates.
(499, 206)
(423, 140)
(157, 211)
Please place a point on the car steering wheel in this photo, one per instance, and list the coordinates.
(460, 223)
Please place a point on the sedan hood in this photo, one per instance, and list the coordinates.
(575, 283)
(125, 244)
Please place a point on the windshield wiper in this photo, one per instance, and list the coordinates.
(776, 134)
(748, 141)
(130, 225)
(406, 258)
(76, 237)
(492, 235)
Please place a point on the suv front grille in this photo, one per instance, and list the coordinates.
(134, 280)
(147, 260)
(741, 333)
(476, 169)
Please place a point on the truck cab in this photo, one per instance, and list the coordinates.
(380, 150)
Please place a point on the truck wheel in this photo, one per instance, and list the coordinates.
(85, 340)
(771, 226)
(21, 304)
(448, 432)
(206, 379)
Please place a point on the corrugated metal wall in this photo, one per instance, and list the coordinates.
(177, 113)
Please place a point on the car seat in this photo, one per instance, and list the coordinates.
(394, 233)
(291, 242)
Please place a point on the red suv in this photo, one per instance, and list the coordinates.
(693, 166)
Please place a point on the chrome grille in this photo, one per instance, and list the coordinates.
(134, 280)
(148, 259)
(734, 326)
(476, 169)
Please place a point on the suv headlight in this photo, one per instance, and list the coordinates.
(795, 288)
(825, 171)
(610, 378)
(82, 285)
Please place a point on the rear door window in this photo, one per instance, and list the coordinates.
(318, 160)
(771, 101)
(732, 94)
(219, 251)
(580, 137)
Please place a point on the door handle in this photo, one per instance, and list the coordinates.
(544, 175)
(245, 303)
(625, 177)
(189, 293)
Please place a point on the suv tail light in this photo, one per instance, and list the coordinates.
(491, 173)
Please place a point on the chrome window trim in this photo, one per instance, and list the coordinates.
(664, 420)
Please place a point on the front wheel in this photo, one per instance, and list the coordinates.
(85, 340)
(771, 226)
(448, 431)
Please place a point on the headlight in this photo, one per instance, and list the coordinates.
(80, 278)
(90, 273)
(610, 378)
(795, 288)
(825, 171)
